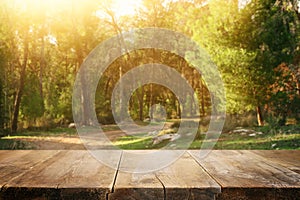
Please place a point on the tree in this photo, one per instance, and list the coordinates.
(3, 58)
(271, 32)
(284, 94)
(247, 44)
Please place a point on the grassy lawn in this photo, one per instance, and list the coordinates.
(285, 138)
(59, 131)
(14, 144)
(226, 141)
(15, 141)
(30, 139)
(265, 141)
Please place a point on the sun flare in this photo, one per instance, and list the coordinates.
(38, 4)
(38, 8)
(121, 7)
(126, 7)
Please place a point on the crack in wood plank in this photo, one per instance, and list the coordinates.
(164, 188)
(116, 174)
(204, 169)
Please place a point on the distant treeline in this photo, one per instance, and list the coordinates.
(255, 45)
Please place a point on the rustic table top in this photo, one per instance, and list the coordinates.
(223, 174)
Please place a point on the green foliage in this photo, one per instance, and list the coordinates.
(3, 62)
(2, 96)
(32, 104)
(247, 44)
(284, 94)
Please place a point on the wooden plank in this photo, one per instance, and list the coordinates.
(135, 186)
(77, 175)
(17, 162)
(287, 158)
(131, 186)
(71, 174)
(246, 176)
(186, 179)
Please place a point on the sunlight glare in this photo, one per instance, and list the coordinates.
(37, 4)
(125, 7)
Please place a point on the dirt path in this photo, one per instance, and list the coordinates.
(63, 142)
(53, 143)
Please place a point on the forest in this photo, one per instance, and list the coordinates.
(254, 43)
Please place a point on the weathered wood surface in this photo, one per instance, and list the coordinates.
(137, 186)
(225, 174)
(14, 164)
(64, 175)
(184, 179)
(248, 175)
(287, 158)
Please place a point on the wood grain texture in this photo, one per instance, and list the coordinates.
(185, 179)
(286, 158)
(77, 175)
(16, 163)
(130, 186)
(135, 186)
(67, 175)
(246, 176)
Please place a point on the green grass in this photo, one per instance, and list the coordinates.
(226, 141)
(264, 141)
(14, 144)
(11, 142)
(59, 131)
(286, 138)
(130, 142)
(111, 127)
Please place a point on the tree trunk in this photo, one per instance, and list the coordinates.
(202, 99)
(106, 88)
(191, 104)
(42, 66)
(178, 109)
(85, 101)
(260, 120)
(298, 87)
(14, 125)
(141, 104)
(151, 102)
(2, 106)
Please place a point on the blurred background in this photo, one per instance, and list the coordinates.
(254, 43)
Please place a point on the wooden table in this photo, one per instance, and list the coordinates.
(224, 174)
